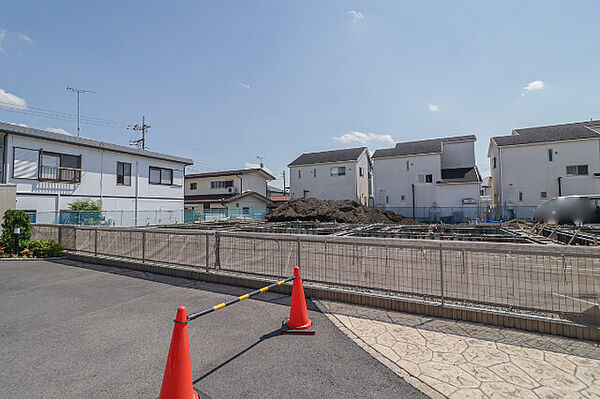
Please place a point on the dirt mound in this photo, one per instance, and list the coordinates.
(341, 211)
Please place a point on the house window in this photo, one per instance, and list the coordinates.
(193, 186)
(221, 184)
(123, 174)
(407, 166)
(402, 198)
(246, 210)
(299, 175)
(577, 170)
(550, 154)
(480, 192)
(428, 178)
(361, 172)
(206, 207)
(25, 163)
(315, 172)
(543, 195)
(60, 167)
(494, 162)
(387, 199)
(338, 171)
(237, 204)
(520, 196)
(161, 176)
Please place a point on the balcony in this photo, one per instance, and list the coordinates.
(60, 174)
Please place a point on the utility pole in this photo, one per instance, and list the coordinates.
(283, 174)
(141, 143)
(78, 92)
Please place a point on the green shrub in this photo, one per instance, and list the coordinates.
(13, 219)
(46, 248)
(86, 205)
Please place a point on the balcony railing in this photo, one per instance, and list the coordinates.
(60, 174)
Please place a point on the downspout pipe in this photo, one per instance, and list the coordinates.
(413, 200)
(559, 186)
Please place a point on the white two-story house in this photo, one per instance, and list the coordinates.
(52, 170)
(431, 179)
(535, 164)
(333, 175)
(229, 192)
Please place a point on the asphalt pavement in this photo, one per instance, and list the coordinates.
(70, 329)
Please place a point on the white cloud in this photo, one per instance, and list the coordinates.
(9, 100)
(533, 86)
(6, 36)
(256, 165)
(355, 16)
(434, 108)
(2, 38)
(365, 138)
(24, 37)
(245, 86)
(58, 130)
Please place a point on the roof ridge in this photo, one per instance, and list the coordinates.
(584, 123)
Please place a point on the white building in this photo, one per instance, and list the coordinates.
(333, 175)
(535, 164)
(234, 192)
(431, 179)
(52, 170)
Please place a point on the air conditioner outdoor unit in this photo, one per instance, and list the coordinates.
(232, 190)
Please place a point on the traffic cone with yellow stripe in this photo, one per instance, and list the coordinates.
(177, 382)
(298, 323)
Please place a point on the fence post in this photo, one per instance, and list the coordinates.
(217, 249)
(143, 247)
(207, 253)
(441, 274)
(298, 253)
(75, 238)
(96, 241)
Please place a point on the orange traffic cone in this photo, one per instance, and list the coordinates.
(177, 382)
(298, 323)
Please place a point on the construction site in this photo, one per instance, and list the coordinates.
(349, 218)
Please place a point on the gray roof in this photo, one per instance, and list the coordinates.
(64, 138)
(544, 134)
(234, 172)
(461, 175)
(349, 154)
(421, 146)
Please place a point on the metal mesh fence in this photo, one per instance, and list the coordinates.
(521, 276)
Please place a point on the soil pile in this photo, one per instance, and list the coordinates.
(341, 211)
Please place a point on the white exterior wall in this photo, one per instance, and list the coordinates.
(363, 182)
(527, 169)
(458, 155)
(323, 185)
(392, 180)
(250, 181)
(98, 182)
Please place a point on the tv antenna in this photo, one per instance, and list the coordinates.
(261, 161)
(78, 92)
(141, 143)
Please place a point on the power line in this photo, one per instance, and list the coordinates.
(58, 115)
(141, 143)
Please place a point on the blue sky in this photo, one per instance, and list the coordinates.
(223, 82)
